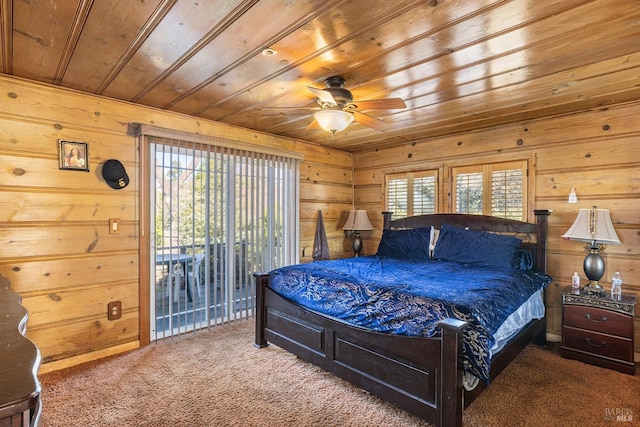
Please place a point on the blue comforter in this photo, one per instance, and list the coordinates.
(409, 297)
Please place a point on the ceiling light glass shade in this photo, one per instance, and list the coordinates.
(593, 225)
(333, 120)
(358, 220)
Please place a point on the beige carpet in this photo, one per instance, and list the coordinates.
(217, 378)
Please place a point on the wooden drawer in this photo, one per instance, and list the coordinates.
(606, 345)
(598, 320)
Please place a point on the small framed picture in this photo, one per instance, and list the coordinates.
(74, 155)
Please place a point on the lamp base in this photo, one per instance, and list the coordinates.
(594, 264)
(594, 269)
(594, 289)
(357, 243)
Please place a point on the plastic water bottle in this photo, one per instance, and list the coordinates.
(616, 286)
(575, 284)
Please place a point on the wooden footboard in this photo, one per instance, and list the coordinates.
(420, 375)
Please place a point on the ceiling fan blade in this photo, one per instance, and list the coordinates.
(380, 104)
(367, 120)
(324, 95)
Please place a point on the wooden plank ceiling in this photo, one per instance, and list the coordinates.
(458, 65)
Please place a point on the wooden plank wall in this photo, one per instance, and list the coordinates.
(326, 183)
(596, 152)
(54, 241)
(58, 253)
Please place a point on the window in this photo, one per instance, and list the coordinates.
(217, 214)
(412, 193)
(497, 189)
(468, 192)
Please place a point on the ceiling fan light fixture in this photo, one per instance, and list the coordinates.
(333, 120)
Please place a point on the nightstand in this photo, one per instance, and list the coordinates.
(598, 330)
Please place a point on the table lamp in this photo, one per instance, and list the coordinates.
(594, 227)
(357, 221)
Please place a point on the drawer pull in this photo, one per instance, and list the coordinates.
(602, 319)
(588, 340)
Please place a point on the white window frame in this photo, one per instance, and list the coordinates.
(487, 170)
(410, 178)
(446, 189)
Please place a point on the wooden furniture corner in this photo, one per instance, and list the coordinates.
(19, 362)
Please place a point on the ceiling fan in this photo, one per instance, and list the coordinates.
(337, 109)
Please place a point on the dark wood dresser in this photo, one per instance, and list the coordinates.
(598, 330)
(19, 363)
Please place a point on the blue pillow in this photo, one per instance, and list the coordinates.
(476, 247)
(408, 244)
(523, 260)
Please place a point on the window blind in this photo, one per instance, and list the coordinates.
(218, 214)
(469, 195)
(411, 193)
(498, 189)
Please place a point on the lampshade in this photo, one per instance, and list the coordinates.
(358, 220)
(593, 225)
(333, 120)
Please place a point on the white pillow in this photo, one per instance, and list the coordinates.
(435, 233)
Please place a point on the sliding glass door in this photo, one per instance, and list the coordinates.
(218, 214)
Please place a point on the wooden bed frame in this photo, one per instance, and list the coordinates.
(420, 375)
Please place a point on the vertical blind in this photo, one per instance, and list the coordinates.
(218, 214)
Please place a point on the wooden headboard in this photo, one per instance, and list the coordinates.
(534, 236)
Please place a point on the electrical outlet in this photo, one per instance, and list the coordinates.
(114, 225)
(114, 310)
